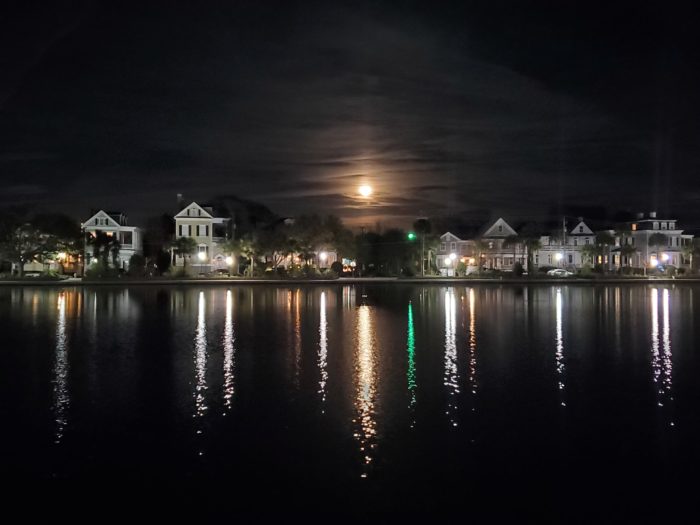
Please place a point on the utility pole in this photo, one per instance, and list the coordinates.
(563, 237)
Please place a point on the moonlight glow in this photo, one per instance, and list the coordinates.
(365, 190)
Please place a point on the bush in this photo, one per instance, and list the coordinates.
(518, 269)
(137, 265)
(100, 270)
(337, 268)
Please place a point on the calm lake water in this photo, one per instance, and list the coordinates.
(566, 402)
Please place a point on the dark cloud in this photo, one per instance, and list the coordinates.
(442, 109)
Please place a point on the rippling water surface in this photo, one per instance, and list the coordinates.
(561, 400)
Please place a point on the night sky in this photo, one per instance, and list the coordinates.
(445, 108)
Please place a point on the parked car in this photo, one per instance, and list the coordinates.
(559, 272)
(221, 272)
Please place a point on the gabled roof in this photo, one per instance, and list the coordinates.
(586, 229)
(115, 222)
(493, 231)
(448, 235)
(194, 206)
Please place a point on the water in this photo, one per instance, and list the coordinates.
(563, 403)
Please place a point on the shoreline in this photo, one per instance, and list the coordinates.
(349, 280)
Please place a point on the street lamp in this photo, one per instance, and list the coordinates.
(229, 263)
(202, 257)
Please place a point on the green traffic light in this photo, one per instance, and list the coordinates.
(411, 236)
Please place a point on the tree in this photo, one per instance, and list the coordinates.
(184, 247)
(481, 247)
(137, 265)
(658, 240)
(22, 243)
(104, 246)
(604, 240)
(689, 251)
(531, 245)
(627, 250)
(590, 252)
(512, 241)
(530, 236)
(423, 227)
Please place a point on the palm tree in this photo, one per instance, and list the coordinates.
(184, 247)
(512, 241)
(102, 244)
(627, 250)
(688, 251)
(480, 246)
(604, 240)
(532, 244)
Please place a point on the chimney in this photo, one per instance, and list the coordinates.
(652, 215)
(640, 215)
(180, 202)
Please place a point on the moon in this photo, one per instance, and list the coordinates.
(365, 190)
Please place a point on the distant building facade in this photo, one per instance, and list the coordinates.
(496, 247)
(209, 233)
(565, 248)
(651, 241)
(113, 224)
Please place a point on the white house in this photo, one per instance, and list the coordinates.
(656, 241)
(564, 249)
(209, 232)
(113, 224)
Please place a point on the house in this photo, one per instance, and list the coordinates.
(651, 241)
(564, 247)
(114, 224)
(209, 233)
(495, 246)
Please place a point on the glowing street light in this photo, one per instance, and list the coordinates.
(323, 256)
(229, 260)
(202, 256)
(453, 257)
(665, 257)
(558, 256)
(365, 190)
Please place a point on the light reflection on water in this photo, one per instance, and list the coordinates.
(661, 355)
(229, 353)
(559, 343)
(411, 370)
(200, 362)
(451, 378)
(366, 385)
(472, 344)
(587, 329)
(61, 399)
(323, 350)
